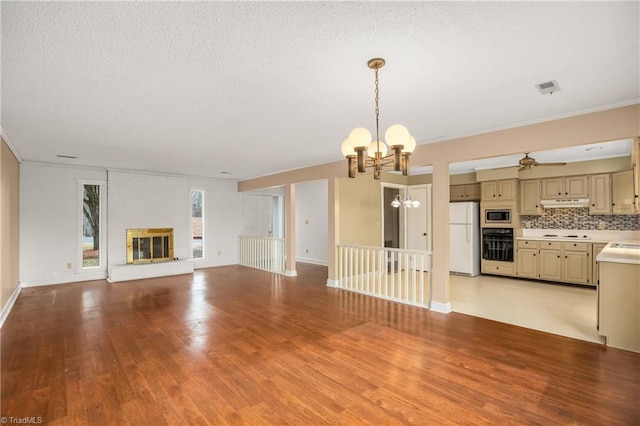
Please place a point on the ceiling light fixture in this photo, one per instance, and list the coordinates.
(359, 141)
(405, 201)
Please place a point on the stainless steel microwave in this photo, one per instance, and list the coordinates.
(497, 215)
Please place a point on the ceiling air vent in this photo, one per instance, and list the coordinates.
(548, 87)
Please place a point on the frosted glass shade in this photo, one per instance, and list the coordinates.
(347, 148)
(373, 148)
(410, 145)
(396, 135)
(360, 137)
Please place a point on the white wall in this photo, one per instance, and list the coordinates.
(312, 222)
(49, 223)
(50, 214)
(223, 221)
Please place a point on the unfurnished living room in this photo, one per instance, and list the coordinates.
(265, 213)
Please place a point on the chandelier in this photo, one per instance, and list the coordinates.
(359, 142)
(405, 201)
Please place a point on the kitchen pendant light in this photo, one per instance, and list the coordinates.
(362, 152)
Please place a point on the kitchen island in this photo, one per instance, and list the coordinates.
(619, 295)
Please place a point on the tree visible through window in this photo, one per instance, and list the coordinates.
(91, 226)
(197, 210)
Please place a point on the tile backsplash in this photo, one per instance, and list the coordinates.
(579, 218)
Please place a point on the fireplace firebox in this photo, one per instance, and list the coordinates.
(149, 245)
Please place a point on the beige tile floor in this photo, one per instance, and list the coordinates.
(558, 309)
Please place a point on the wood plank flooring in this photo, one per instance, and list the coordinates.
(232, 345)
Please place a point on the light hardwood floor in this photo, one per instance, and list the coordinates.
(232, 345)
(559, 309)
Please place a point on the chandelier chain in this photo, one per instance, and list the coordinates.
(377, 112)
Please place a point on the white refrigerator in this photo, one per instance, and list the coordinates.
(464, 238)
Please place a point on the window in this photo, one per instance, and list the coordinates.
(197, 223)
(90, 225)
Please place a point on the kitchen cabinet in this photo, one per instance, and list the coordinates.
(568, 187)
(596, 248)
(528, 259)
(530, 197)
(622, 193)
(499, 190)
(619, 295)
(465, 192)
(576, 263)
(495, 267)
(600, 194)
(550, 266)
(560, 261)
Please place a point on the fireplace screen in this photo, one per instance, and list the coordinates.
(149, 245)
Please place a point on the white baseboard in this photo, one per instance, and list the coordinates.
(289, 273)
(312, 261)
(333, 283)
(443, 308)
(7, 307)
(65, 280)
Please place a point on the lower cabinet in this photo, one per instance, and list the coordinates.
(595, 268)
(558, 261)
(498, 268)
(528, 262)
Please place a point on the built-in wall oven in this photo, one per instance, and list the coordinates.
(497, 244)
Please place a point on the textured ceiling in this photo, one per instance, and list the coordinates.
(253, 88)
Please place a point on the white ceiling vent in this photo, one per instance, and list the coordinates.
(548, 87)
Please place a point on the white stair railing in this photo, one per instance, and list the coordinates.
(264, 253)
(395, 274)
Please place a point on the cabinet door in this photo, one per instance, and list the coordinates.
(528, 263)
(552, 188)
(489, 190)
(530, 197)
(472, 191)
(575, 267)
(622, 194)
(576, 187)
(600, 194)
(550, 265)
(507, 189)
(456, 193)
(595, 273)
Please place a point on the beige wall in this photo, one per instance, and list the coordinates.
(360, 214)
(9, 221)
(608, 125)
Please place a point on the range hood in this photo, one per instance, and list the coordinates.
(575, 202)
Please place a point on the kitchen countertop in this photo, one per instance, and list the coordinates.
(562, 238)
(594, 236)
(621, 252)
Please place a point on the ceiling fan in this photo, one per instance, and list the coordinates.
(527, 162)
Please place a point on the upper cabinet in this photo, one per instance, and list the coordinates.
(530, 197)
(465, 192)
(499, 190)
(569, 187)
(622, 193)
(600, 194)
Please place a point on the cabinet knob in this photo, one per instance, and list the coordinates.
(558, 256)
(559, 193)
(534, 254)
(575, 245)
(565, 257)
(593, 205)
(566, 193)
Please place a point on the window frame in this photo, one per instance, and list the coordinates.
(102, 257)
